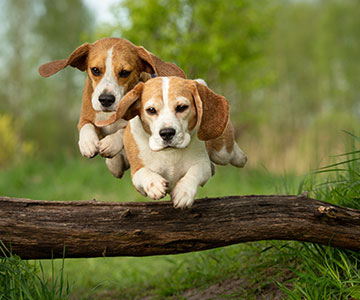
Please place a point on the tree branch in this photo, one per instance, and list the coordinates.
(40, 229)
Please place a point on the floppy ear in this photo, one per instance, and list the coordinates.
(77, 59)
(128, 107)
(155, 65)
(212, 112)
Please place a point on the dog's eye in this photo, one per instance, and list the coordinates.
(151, 111)
(181, 108)
(95, 71)
(124, 73)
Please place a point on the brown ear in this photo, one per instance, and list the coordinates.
(128, 107)
(77, 59)
(155, 65)
(212, 112)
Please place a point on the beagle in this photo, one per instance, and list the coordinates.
(113, 66)
(176, 128)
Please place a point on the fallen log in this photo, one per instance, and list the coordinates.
(40, 229)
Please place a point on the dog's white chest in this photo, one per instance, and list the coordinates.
(170, 163)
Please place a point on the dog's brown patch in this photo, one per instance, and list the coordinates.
(132, 151)
(226, 139)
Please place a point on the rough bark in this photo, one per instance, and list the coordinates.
(40, 229)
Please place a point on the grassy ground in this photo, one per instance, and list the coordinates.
(321, 272)
(82, 179)
(262, 270)
(79, 179)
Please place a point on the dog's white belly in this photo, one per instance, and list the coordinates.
(112, 128)
(170, 163)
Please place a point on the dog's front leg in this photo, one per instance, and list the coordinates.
(88, 141)
(150, 184)
(112, 144)
(184, 192)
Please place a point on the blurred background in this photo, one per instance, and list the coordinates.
(288, 67)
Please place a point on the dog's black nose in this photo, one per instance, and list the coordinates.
(106, 100)
(167, 133)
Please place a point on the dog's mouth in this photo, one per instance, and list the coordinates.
(170, 147)
(164, 148)
(158, 145)
(107, 109)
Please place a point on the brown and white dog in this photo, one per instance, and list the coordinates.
(113, 66)
(170, 118)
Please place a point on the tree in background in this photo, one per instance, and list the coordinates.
(220, 41)
(287, 67)
(36, 32)
(223, 42)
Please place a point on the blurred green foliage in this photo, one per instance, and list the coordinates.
(287, 67)
(216, 40)
(36, 32)
(12, 145)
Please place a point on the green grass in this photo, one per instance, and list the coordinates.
(323, 272)
(168, 276)
(83, 179)
(299, 270)
(23, 280)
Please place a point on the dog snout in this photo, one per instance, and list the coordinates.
(106, 100)
(167, 134)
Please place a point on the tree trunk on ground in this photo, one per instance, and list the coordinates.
(41, 229)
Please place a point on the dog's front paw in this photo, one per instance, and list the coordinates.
(88, 141)
(88, 147)
(183, 195)
(110, 145)
(156, 187)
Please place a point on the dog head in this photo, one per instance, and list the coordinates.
(171, 109)
(114, 66)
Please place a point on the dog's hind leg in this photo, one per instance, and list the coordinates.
(118, 164)
(224, 149)
(238, 157)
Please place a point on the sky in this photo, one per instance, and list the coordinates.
(101, 9)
